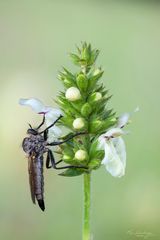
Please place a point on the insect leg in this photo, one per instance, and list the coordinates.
(41, 122)
(48, 160)
(64, 167)
(66, 140)
(52, 124)
(45, 135)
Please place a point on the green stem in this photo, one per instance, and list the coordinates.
(87, 205)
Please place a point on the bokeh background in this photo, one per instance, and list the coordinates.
(35, 38)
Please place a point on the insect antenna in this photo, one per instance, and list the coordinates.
(30, 125)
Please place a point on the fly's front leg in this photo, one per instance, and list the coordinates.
(52, 124)
(66, 140)
(41, 122)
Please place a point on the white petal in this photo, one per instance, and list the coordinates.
(101, 142)
(52, 113)
(113, 132)
(54, 131)
(36, 105)
(120, 149)
(115, 157)
(124, 118)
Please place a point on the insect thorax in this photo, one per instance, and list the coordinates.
(34, 143)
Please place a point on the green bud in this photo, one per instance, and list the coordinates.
(86, 109)
(86, 51)
(86, 54)
(94, 79)
(94, 97)
(67, 158)
(68, 155)
(94, 164)
(95, 125)
(108, 122)
(82, 82)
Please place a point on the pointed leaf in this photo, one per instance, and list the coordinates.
(72, 172)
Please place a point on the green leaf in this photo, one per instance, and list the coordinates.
(94, 55)
(67, 78)
(94, 149)
(94, 79)
(75, 59)
(86, 52)
(72, 172)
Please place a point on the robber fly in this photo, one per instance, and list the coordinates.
(36, 145)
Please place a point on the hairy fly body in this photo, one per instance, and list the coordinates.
(36, 145)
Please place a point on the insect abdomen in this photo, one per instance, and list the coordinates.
(39, 181)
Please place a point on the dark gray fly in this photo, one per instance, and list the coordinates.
(36, 145)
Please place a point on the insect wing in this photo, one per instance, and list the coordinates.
(31, 177)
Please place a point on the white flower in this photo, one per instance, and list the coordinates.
(125, 118)
(73, 94)
(51, 114)
(115, 152)
(114, 147)
(115, 157)
(81, 155)
(78, 123)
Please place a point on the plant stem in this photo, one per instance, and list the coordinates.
(87, 205)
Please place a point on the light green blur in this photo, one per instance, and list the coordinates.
(35, 39)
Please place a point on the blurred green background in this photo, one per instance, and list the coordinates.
(35, 38)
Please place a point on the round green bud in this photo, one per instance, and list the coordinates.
(78, 123)
(67, 158)
(95, 97)
(86, 109)
(81, 155)
(82, 82)
(73, 94)
(95, 125)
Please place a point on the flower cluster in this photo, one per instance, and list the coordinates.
(84, 106)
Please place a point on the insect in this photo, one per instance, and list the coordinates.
(36, 145)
